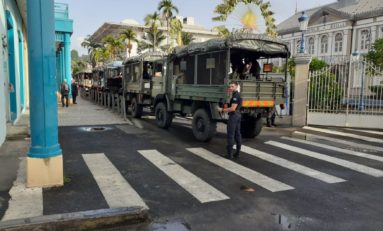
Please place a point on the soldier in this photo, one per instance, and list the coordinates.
(234, 122)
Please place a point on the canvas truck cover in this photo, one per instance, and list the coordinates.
(267, 46)
(147, 56)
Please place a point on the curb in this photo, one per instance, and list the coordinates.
(85, 220)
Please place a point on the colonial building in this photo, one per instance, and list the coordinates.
(337, 29)
(199, 33)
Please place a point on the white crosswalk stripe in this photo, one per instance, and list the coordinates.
(341, 150)
(292, 166)
(246, 173)
(366, 131)
(340, 141)
(365, 138)
(344, 163)
(201, 190)
(116, 190)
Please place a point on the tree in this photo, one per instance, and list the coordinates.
(187, 38)
(167, 8)
(114, 46)
(151, 40)
(375, 55)
(317, 64)
(222, 31)
(91, 47)
(153, 21)
(129, 35)
(227, 7)
(176, 31)
(74, 55)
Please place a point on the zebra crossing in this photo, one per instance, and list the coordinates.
(118, 191)
(205, 193)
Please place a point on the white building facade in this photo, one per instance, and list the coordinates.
(199, 33)
(337, 29)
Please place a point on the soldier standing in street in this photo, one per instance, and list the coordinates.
(234, 122)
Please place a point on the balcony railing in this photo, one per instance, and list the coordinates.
(61, 11)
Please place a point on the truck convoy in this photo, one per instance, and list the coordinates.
(193, 81)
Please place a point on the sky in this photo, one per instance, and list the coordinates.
(89, 15)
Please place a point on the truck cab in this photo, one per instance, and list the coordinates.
(143, 78)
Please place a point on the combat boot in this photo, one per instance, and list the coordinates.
(229, 154)
(236, 154)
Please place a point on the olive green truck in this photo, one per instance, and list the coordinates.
(193, 81)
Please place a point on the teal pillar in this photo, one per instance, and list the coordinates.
(67, 62)
(42, 79)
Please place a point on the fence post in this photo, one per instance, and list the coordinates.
(300, 100)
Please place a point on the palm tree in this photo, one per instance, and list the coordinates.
(153, 21)
(113, 45)
(176, 31)
(187, 38)
(222, 31)
(151, 40)
(91, 47)
(167, 8)
(227, 7)
(101, 54)
(129, 35)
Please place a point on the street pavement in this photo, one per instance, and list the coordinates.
(311, 178)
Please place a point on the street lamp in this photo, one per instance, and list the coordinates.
(356, 57)
(303, 23)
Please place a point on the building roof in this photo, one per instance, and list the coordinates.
(109, 28)
(346, 9)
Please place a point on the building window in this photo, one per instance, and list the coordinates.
(338, 43)
(364, 39)
(311, 46)
(324, 44)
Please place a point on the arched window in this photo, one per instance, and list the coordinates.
(364, 39)
(338, 43)
(324, 44)
(311, 46)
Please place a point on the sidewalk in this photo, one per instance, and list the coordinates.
(30, 209)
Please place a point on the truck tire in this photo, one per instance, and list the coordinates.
(163, 117)
(203, 127)
(136, 108)
(251, 126)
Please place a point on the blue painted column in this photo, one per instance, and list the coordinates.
(67, 62)
(42, 80)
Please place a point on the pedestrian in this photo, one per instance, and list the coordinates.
(270, 121)
(64, 93)
(74, 91)
(234, 122)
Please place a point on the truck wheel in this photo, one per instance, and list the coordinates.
(163, 117)
(136, 108)
(251, 126)
(203, 127)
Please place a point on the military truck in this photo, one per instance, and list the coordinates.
(198, 76)
(141, 73)
(112, 79)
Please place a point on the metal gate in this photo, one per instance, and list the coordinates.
(346, 94)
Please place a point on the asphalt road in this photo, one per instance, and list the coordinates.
(287, 199)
